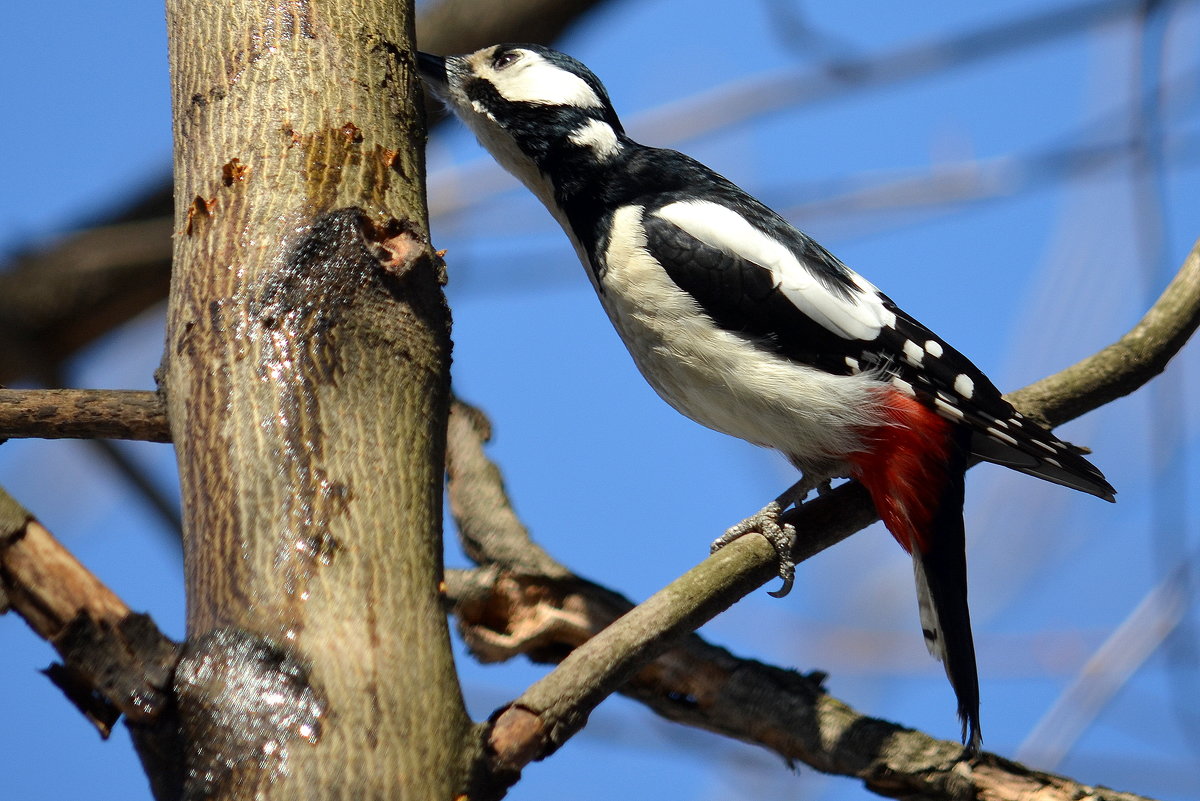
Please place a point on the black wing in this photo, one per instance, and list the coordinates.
(751, 299)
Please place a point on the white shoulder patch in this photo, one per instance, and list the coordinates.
(599, 136)
(862, 316)
(533, 79)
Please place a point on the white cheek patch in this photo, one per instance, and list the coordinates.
(861, 316)
(535, 80)
(597, 135)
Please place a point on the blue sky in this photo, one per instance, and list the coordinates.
(1022, 255)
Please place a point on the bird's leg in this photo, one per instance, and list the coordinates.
(782, 536)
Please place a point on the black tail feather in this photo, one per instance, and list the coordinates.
(942, 574)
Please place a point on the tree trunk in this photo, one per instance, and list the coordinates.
(306, 373)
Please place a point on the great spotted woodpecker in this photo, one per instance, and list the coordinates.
(748, 326)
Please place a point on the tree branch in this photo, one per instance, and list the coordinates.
(488, 527)
(115, 661)
(752, 702)
(83, 414)
(54, 301)
(503, 614)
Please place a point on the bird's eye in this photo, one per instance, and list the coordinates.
(502, 60)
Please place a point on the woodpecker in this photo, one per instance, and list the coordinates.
(749, 327)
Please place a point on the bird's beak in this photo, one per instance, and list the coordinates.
(433, 70)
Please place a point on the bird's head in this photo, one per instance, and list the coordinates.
(537, 111)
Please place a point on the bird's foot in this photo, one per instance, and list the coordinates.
(781, 536)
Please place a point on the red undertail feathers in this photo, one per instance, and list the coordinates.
(905, 467)
(914, 469)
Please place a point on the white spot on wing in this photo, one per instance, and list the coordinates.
(852, 363)
(934, 348)
(862, 316)
(913, 352)
(597, 135)
(964, 386)
(904, 387)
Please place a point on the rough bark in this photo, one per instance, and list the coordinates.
(306, 374)
(83, 413)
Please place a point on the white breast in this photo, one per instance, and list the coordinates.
(720, 380)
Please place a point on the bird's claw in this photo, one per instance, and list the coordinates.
(782, 536)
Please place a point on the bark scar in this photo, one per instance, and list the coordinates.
(402, 248)
(199, 209)
(234, 171)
